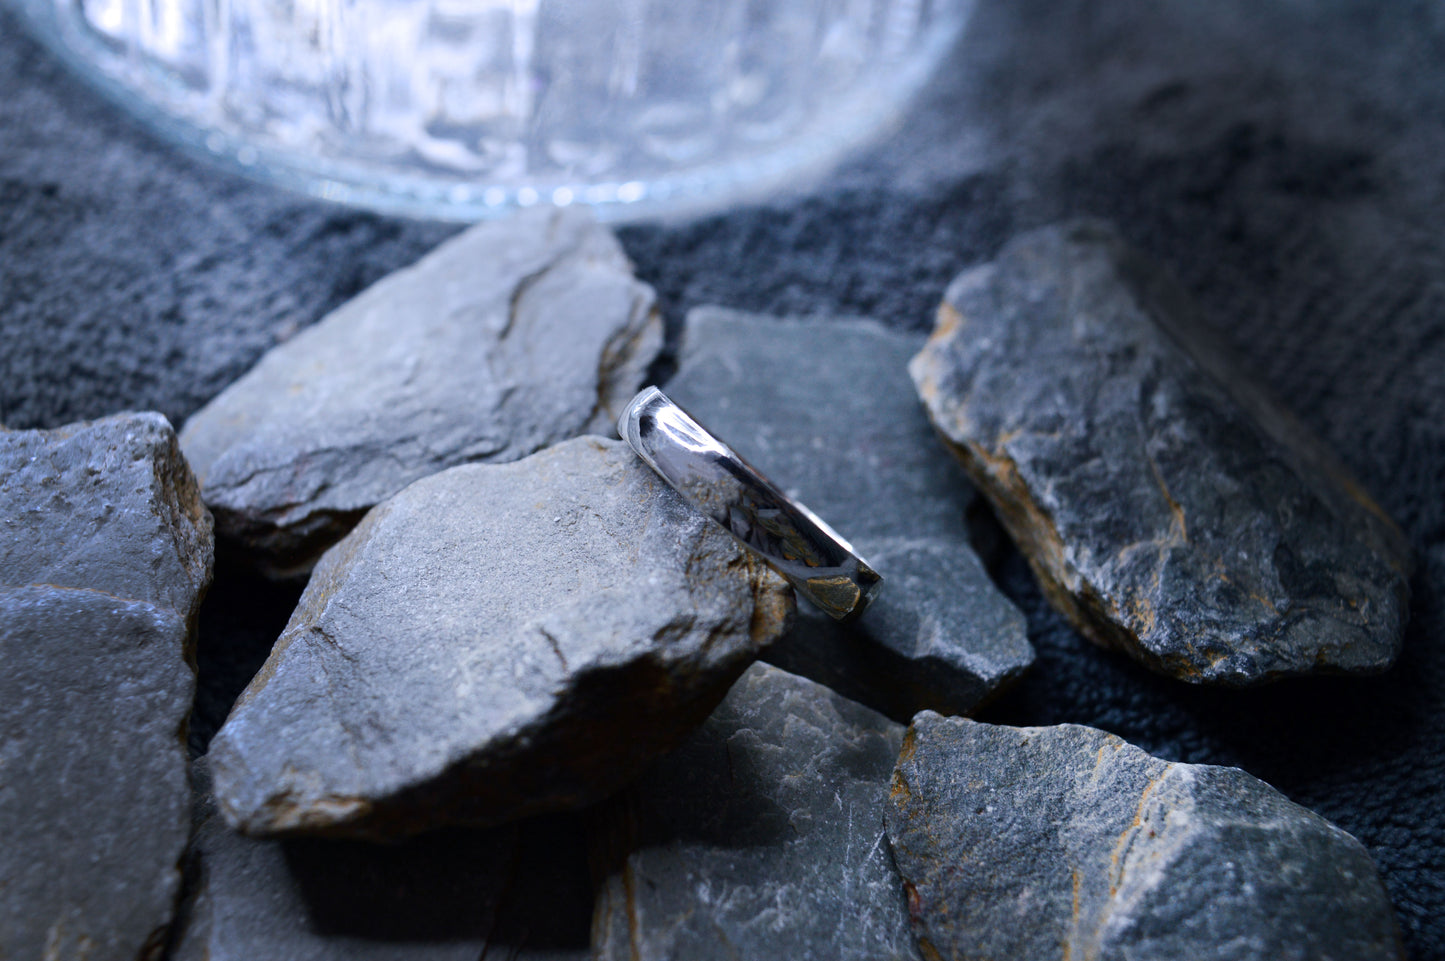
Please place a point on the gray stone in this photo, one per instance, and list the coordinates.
(824, 407)
(505, 339)
(106, 505)
(495, 641)
(105, 551)
(761, 837)
(1068, 842)
(451, 895)
(1168, 506)
(93, 794)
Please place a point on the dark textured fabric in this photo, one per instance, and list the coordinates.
(1286, 159)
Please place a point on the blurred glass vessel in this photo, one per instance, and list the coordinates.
(464, 108)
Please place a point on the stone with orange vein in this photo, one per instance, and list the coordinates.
(1169, 506)
(1066, 842)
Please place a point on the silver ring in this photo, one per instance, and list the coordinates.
(821, 565)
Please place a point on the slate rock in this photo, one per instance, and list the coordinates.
(105, 552)
(93, 697)
(1168, 506)
(824, 407)
(505, 339)
(1068, 842)
(521, 892)
(761, 836)
(495, 641)
(107, 505)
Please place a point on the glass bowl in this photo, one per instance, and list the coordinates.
(464, 109)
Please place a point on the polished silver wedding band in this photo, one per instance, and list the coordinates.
(708, 474)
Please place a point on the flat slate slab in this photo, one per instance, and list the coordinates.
(520, 892)
(1025, 844)
(761, 837)
(824, 407)
(507, 338)
(105, 552)
(493, 642)
(1168, 506)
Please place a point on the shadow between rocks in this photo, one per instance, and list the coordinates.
(241, 618)
(431, 888)
(425, 889)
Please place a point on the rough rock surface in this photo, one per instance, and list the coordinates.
(761, 837)
(495, 641)
(106, 505)
(505, 339)
(1060, 842)
(824, 407)
(1169, 507)
(521, 892)
(105, 551)
(93, 698)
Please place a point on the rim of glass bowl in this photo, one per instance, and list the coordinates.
(865, 115)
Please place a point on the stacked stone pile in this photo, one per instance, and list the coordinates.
(531, 703)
